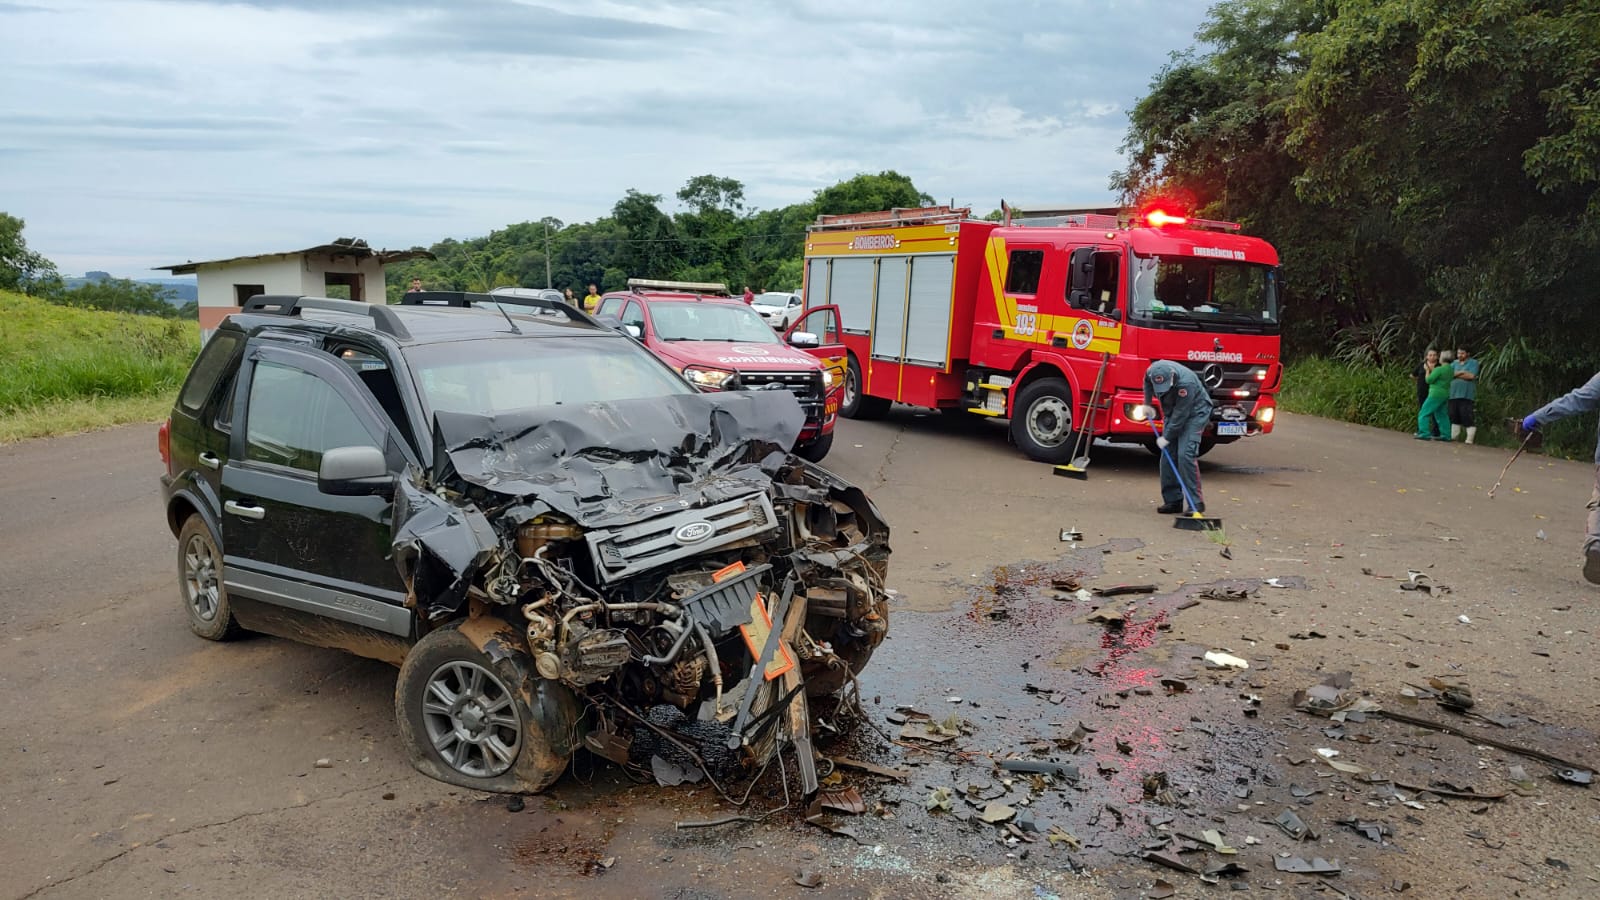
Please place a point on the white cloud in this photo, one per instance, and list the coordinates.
(139, 132)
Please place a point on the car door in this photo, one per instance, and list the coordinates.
(824, 322)
(286, 543)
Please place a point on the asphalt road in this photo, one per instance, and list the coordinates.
(139, 760)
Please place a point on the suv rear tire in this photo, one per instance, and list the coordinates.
(481, 721)
(205, 598)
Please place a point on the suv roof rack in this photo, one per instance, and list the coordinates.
(467, 299)
(289, 305)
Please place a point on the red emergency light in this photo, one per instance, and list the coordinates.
(1159, 217)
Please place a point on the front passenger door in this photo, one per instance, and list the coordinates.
(285, 542)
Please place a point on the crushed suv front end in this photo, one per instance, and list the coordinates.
(666, 566)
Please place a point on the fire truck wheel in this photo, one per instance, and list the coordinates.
(856, 405)
(1042, 423)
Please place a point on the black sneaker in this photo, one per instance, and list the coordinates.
(1591, 566)
(1170, 509)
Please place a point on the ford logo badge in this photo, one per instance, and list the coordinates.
(693, 533)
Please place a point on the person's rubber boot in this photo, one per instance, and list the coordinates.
(1472, 434)
(1455, 432)
(1170, 509)
(1591, 565)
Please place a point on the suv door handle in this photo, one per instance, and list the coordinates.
(248, 512)
(210, 460)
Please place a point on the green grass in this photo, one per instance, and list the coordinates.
(1387, 398)
(65, 369)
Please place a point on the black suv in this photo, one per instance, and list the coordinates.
(560, 542)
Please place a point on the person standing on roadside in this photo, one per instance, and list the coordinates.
(1463, 393)
(570, 297)
(591, 301)
(1420, 376)
(1582, 400)
(1185, 410)
(416, 286)
(1432, 415)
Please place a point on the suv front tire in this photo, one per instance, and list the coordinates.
(484, 721)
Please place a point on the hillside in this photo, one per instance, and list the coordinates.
(65, 369)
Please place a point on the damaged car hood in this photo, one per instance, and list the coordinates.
(610, 463)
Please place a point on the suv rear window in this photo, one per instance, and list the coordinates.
(207, 369)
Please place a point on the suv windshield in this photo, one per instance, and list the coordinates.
(491, 376)
(693, 321)
(1205, 293)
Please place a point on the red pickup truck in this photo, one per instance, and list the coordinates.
(720, 344)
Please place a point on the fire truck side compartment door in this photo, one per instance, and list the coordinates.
(850, 289)
(928, 321)
(889, 322)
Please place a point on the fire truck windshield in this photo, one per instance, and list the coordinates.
(1205, 294)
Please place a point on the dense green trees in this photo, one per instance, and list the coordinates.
(1427, 168)
(714, 237)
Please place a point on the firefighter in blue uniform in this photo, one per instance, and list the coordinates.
(1186, 409)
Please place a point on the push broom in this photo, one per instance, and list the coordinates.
(1194, 521)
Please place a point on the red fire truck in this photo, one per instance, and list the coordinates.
(1020, 318)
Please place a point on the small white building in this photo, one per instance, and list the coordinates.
(347, 266)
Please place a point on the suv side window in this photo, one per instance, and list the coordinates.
(609, 306)
(208, 369)
(295, 417)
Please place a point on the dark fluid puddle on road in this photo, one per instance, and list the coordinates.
(1028, 668)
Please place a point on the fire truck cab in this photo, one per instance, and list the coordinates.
(1021, 318)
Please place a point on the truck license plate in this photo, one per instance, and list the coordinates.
(1226, 429)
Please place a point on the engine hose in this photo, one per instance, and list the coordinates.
(716, 664)
(673, 651)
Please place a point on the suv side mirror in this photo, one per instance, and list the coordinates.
(355, 472)
(634, 331)
(804, 340)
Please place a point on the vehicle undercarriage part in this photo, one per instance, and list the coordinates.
(669, 563)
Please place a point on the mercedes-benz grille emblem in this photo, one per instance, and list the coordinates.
(1212, 376)
(693, 533)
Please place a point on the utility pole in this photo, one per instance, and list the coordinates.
(547, 253)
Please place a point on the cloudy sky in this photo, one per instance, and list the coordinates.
(136, 133)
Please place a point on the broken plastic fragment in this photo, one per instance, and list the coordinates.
(940, 798)
(997, 812)
(1316, 866)
(1225, 660)
(1214, 838)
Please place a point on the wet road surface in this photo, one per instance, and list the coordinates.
(140, 760)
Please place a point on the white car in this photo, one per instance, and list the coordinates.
(779, 309)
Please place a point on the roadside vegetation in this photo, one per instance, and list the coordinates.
(64, 370)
